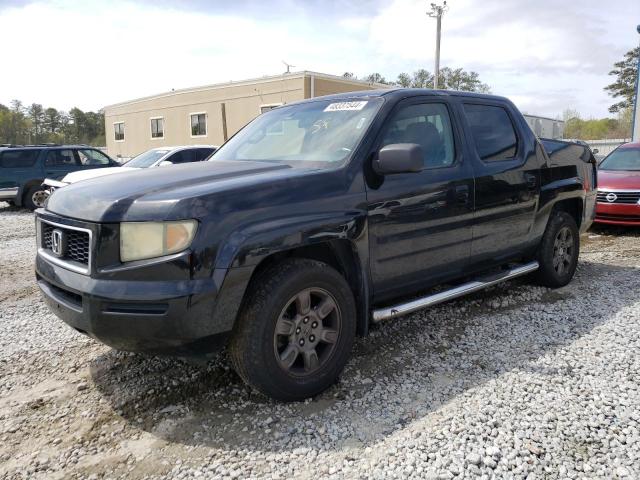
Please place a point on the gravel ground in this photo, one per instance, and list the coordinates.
(515, 382)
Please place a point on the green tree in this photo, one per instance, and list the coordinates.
(36, 116)
(376, 78)
(458, 79)
(596, 129)
(51, 122)
(422, 79)
(626, 73)
(18, 129)
(404, 80)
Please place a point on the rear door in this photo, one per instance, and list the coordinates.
(58, 162)
(420, 223)
(507, 181)
(18, 167)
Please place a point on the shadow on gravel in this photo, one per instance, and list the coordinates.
(402, 372)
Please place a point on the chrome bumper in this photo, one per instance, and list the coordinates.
(8, 193)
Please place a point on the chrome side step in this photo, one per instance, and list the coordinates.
(474, 286)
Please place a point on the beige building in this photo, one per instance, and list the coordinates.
(210, 114)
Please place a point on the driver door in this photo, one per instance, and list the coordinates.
(420, 224)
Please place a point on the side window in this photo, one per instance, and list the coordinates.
(203, 153)
(90, 157)
(18, 158)
(428, 125)
(61, 158)
(492, 131)
(183, 156)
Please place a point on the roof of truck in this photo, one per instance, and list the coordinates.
(403, 92)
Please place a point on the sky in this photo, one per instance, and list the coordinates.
(546, 55)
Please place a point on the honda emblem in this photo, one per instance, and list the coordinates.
(57, 242)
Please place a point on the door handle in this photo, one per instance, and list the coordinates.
(532, 180)
(462, 194)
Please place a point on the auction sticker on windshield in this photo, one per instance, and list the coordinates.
(341, 106)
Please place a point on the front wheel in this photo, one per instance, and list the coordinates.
(36, 197)
(558, 251)
(295, 331)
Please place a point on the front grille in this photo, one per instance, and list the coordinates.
(76, 243)
(628, 197)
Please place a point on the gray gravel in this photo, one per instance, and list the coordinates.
(515, 382)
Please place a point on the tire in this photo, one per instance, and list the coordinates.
(33, 196)
(558, 252)
(280, 326)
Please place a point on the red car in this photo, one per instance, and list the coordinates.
(619, 187)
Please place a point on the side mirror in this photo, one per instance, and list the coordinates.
(165, 163)
(399, 158)
(595, 150)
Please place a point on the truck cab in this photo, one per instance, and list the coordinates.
(314, 222)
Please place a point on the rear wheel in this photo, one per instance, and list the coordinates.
(295, 331)
(35, 197)
(558, 252)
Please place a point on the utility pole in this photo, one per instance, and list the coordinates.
(635, 122)
(436, 12)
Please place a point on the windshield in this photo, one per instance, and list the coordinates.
(321, 134)
(622, 159)
(147, 158)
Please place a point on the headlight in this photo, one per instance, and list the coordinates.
(140, 240)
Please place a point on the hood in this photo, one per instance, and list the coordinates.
(152, 193)
(94, 172)
(619, 179)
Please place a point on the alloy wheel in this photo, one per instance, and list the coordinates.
(563, 250)
(307, 331)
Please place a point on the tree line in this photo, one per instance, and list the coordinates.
(449, 79)
(23, 125)
(623, 90)
(597, 128)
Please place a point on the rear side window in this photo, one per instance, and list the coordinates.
(18, 158)
(492, 131)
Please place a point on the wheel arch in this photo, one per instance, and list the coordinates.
(340, 254)
(24, 189)
(573, 206)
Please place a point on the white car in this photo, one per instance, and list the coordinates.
(156, 157)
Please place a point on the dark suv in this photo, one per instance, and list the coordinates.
(23, 168)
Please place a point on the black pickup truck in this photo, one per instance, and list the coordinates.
(314, 221)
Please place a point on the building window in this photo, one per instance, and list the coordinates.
(157, 127)
(198, 124)
(118, 129)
